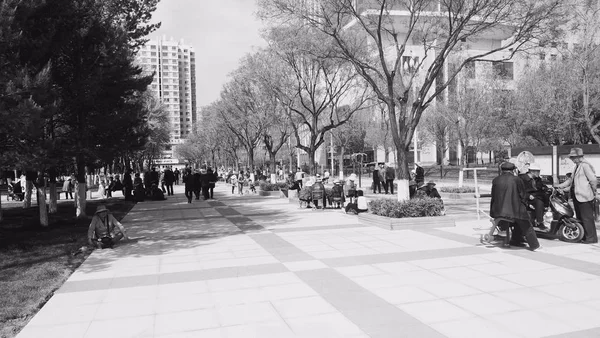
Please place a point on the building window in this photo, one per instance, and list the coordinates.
(173, 48)
(152, 53)
(165, 54)
(503, 69)
(174, 55)
(152, 46)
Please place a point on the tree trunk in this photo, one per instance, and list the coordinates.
(272, 157)
(27, 199)
(41, 199)
(1, 214)
(341, 163)
(311, 160)
(251, 160)
(53, 206)
(402, 173)
(81, 189)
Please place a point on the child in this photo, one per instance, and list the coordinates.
(251, 185)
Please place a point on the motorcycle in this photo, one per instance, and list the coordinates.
(559, 220)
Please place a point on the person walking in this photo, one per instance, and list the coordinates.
(509, 202)
(390, 175)
(169, 178)
(213, 178)
(582, 186)
(68, 188)
(419, 174)
(176, 174)
(188, 181)
(376, 181)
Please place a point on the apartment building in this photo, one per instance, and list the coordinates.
(174, 65)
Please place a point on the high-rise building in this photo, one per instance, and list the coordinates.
(174, 65)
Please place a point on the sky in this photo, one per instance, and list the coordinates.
(221, 32)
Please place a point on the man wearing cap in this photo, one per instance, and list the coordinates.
(431, 191)
(509, 202)
(582, 185)
(105, 230)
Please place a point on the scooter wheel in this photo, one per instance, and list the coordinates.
(571, 234)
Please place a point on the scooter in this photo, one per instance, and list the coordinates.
(559, 220)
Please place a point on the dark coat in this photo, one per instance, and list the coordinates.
(376, 176)
(189, 181)
(169, 176)
(127, 182)
(508, 197)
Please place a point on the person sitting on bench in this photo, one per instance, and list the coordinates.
(105, 231)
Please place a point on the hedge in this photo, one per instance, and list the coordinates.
(266, 186)
(457, 190)
(420, 207)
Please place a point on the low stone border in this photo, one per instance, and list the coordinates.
(463, 196)
(389, 223)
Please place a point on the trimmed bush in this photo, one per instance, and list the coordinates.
(266, 186)
(420, 207)
(457, 190)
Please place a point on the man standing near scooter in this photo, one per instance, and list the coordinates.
(582, 185)
(509, 202)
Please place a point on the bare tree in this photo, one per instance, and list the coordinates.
(321, 92)
(379, 37)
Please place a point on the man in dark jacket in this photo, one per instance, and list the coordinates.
(509, 202)
(169, 178)
(419, 174)
(127, 185)
(188, 181)
(390, 176)
(376, 181)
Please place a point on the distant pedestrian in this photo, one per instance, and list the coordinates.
(233, 182)
(376, 181)
(419, 175)
(176, 174)
(390, 175)
(188, 181)
(169, 178)
(68, 188)
(127, 185)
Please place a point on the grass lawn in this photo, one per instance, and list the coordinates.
(35, 261)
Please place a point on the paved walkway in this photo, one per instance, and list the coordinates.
(260, 267)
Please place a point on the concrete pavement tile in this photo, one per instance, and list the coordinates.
(188, 276)
(574, 291)
(233, 283)
(580, 316)
(75, 330)
(178, 303)
(134, 281)
(591, 333)
(459, 273)
(435, 311)
(287, 291)
(484, 304)
(247, 314)
(85, 285)
(530, 323)
(323, 325)
(133, 293)
(124, 309)
(237, 297)
(261, 269)
(593, 303)
(136, 271)
(273, 329)
(277, 279)
(302, 307)
(397, 268)
(403, 294)
(182, 289)
(491, 284)
(305, 265)
(473, 328)
(71, 299)
(359, 271)
(47, 316)
(377, 281)
(208, 333)
(142, 327)
(410, 331)
(182, 321)
(448, 289)
(419, 278)
(529, 298)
